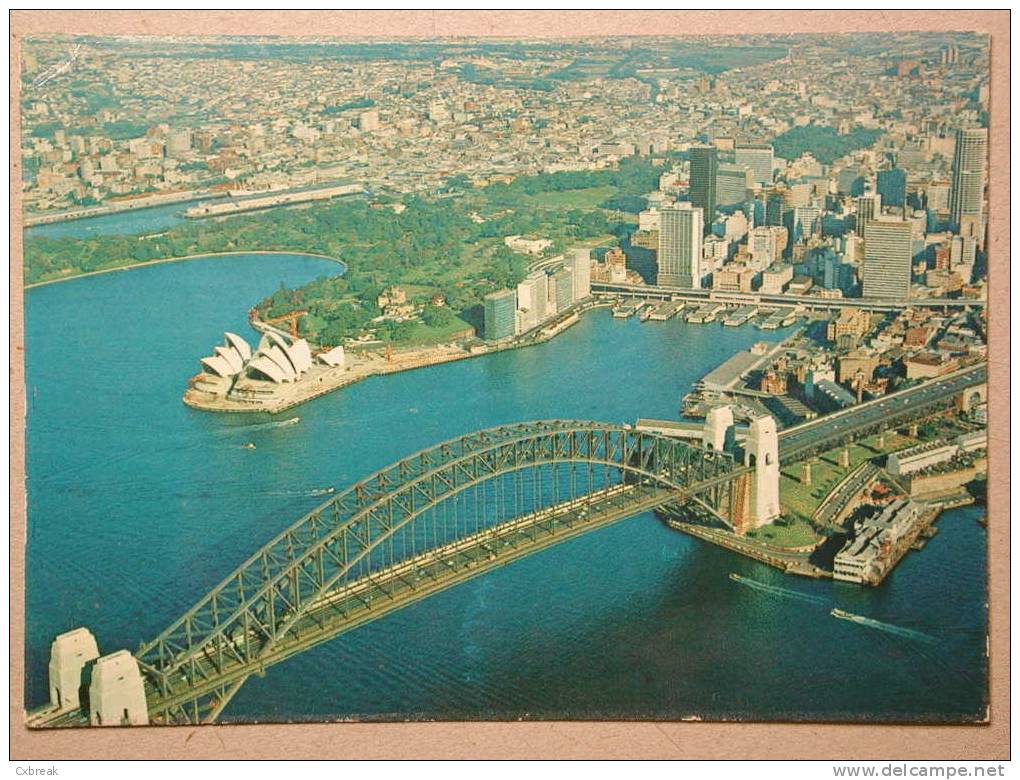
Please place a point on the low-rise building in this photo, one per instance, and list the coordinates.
(852, 322)
(733, 278)
(800, 285)
(920, 457)
(775, 278)
(927, 365)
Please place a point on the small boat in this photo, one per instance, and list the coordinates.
(249, 446)
(292, 421)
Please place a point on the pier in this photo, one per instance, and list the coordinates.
(666, 311)
(740, 316)
(706, 313)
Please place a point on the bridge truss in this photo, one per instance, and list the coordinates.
(429, 521)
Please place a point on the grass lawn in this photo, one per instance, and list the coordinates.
(603, 240)
(588, 198)
(422, 334)
(798, 533)
(800, 500)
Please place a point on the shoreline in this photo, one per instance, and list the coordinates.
(326, 381)
(163, 260)
(41, 219)
(403, 361)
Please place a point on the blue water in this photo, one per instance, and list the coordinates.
(127, 223)
(138, 504)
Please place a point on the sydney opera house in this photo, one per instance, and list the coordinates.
(235, 370)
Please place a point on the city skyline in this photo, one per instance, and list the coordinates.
(523, 332)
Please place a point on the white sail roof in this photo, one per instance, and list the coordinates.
(268, 368)
(279, 357)
(233, 358)
(300, 355)
(218, 365)
(277, 339)
(335, 357)
(243, 347)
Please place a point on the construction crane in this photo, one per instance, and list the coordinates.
(291, 317)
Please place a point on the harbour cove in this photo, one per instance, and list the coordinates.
(138, 504)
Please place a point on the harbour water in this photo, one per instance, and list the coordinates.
(138, 505)
(130, 222)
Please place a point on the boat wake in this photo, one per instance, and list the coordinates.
(775, 590)
(266, 426)
(889, 628)
(326, 491)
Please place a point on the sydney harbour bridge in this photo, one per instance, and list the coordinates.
(426, 523)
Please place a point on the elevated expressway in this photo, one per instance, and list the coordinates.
(824, 433)
(662, 292)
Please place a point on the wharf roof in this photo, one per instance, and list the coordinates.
(724, 376)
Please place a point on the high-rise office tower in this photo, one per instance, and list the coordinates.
(500, 314)
(532, 293)
(806, 222)
(892, 186)
(868, 208)
(774, 207)
(732, 184)
(887, 254)
(561, 290)
(966, 198)
(581, 267)
(758, 158)
(681, 227)
(704, 168)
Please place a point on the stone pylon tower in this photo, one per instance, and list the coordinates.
(761, 450)
(717, 435)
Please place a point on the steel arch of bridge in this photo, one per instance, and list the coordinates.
(238, 627)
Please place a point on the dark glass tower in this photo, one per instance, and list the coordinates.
(892, 186)
(704, 168)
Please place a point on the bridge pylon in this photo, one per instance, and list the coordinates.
(761, 451)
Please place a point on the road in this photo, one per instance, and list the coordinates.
(891, 408)
(813, 301)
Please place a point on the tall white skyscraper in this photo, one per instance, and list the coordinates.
(680, 235)
(758, 158)
(966, 198)
(888, 249)
(532, 293)
(581, 266)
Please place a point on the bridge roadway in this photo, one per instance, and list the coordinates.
(758, 298)
(825, 432)
(416, 578)
(408, 581)
(381, 592)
